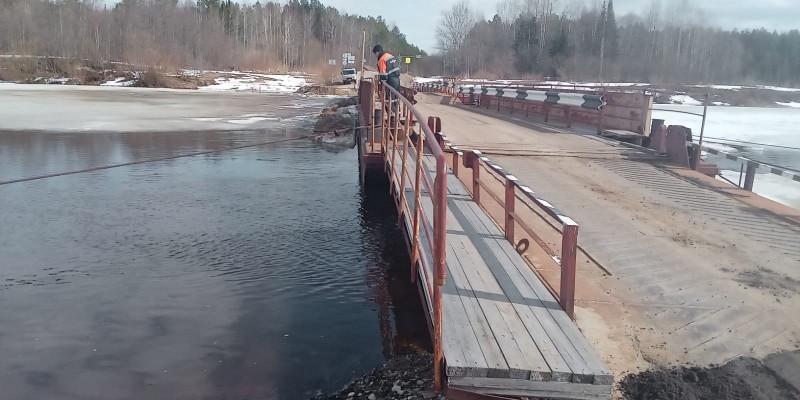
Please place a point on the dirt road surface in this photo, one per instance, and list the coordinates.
(674, 270)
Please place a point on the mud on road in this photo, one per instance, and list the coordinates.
(743, 378)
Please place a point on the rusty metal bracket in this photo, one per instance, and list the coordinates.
(522, 246)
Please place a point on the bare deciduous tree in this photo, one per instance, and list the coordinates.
(452, 33)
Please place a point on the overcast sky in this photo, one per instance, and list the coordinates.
(417, 18)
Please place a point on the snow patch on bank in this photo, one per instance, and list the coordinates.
(247, 82)
(433, 79)
(792, 104)
(247, 120)
(119, 82)
(720, 103)
(779, 89)
(596, 84)
(685, 99)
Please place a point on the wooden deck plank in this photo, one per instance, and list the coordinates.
(515, 325)
(461, 347)
(497, 365)
(523, 360)
(521, 353)
(493, 299)
(564, 360)
(544, 327)
(520, 388)
(576, 345)
(524, 302)
(602, 374)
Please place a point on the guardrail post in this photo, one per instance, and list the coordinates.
(439, 266)
(511, 196)
(602, 115)
(569, 117)
(455, 162)
(419, 151)
(569, 251)
(404, 160)
(750, 176)
(476, 178)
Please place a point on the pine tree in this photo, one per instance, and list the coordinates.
(526, 43)
(610, 35)
(560, 49)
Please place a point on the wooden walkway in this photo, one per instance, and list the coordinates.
(503, 331)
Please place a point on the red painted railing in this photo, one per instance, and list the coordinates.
(407, 165)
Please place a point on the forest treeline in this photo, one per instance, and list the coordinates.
(668, 41)
(293, 35)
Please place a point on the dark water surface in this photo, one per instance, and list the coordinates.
(259, 273)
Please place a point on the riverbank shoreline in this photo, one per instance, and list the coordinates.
(406, 376)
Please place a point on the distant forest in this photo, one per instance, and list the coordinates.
(669, 41)
(293, 35)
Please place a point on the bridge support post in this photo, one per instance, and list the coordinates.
(419, 150)
(476, 178)
(750, 176)
(511, 198)
(569, 251)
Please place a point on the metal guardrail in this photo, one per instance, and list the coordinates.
(594, 101)
(514, 190)
(573, 105)
(752, 166)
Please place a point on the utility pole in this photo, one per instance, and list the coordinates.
(603, 43)
(363, 57)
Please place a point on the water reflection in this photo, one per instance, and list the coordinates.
(260, 273)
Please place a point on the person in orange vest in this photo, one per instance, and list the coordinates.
(388, 70)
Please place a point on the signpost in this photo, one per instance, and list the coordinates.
(348, 59)
(408, 59)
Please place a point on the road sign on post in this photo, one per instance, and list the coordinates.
(347, 59)
(332, 61)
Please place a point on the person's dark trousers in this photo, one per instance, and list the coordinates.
(393, 81)
(391, 98)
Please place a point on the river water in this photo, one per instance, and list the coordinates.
(261, 273)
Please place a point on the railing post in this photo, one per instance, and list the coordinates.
(439, 267)
(602, 115)
(401, 209)
(750, 175)
(569, 251)
(476, 178)
(455, 162)
(569, 117)
(394, 143)
(372, 120)
(419, 150)
(511, 196)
